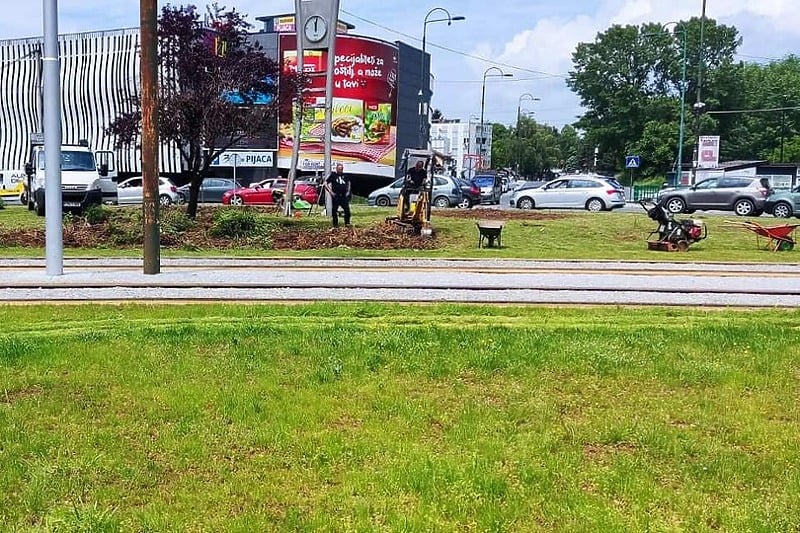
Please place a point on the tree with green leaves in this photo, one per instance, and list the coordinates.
(629, 81)
(216, 88)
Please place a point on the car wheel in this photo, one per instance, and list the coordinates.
(464, 204)
(595, 204)
(164, 200)
(525, 203)
(744, 208)
(675, 205)
(383, 201)
(441, 202)
(782, 210)
(237, 200)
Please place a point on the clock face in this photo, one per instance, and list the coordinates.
(315, 28)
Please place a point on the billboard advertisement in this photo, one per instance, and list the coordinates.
(709, 151)
(363, 129)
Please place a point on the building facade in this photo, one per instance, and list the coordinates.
(100, 79)
(461, 141)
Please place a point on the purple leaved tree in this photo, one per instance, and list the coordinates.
(216, 88)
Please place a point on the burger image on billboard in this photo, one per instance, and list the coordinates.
(377, 122)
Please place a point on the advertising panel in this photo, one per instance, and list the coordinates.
(709, 151)
(12, 183)
(363, 129)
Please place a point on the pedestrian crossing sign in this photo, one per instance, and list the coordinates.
(632, 161)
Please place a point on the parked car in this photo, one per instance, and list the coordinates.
(744, 195)
(576, 192)
(131, 191)
(446, 192)
(211, 190)
(470, 194)
(491, 187)
(306, 189)
(268, 192)
(784, 204)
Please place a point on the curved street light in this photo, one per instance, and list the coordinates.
(500, 74)
(422, 109)
(522, 97)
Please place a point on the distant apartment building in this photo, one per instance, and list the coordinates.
(461, 141)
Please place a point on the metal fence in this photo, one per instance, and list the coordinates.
(642, 192)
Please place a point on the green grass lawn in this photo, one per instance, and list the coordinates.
(367, 417)
(565, 235)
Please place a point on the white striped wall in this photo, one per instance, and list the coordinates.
(99, 78)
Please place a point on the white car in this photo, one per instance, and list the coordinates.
(580, 191)
(131, 191)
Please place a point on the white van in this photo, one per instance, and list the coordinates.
(87, 178)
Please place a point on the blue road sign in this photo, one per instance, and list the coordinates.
(632, 161)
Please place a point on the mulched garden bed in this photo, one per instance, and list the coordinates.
(123, 229)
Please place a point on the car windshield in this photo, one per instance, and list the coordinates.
(73, 161)
(614, 183)
(484, 181)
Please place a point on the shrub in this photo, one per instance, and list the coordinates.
(95, 214)
(175, 221)
(238, 223)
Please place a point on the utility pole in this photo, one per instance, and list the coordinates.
(149, 79)
(54, 237)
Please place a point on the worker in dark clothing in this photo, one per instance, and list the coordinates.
(339, 187)
(414, 182)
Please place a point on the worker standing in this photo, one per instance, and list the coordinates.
(339, 187)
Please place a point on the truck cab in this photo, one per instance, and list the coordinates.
(87, 178)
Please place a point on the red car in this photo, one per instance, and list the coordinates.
(268, 192)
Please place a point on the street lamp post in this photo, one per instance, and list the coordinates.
(486, 74)
(681, 129)
(524, 96)
(423, 114)
(699, 107)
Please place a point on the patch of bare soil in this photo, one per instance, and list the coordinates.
(385, 236)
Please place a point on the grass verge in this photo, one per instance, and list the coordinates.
(401, 418)
(547, 235)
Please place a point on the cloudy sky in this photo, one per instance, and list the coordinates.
(531, 40)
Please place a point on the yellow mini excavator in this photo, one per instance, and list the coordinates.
(414, 203)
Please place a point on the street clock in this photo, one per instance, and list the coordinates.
(316, 23)
(315, 28)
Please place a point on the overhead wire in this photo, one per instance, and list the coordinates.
(454, 51)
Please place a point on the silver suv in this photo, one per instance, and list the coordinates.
(744, 195)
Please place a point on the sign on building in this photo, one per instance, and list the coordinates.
(709, 151)
(245, 159)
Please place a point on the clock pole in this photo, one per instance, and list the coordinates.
(315, 25)
(331, 67)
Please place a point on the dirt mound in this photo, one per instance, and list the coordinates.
(384, 236)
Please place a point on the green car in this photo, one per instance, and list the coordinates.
(784, 204)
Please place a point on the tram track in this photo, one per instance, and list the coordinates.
(424, 280)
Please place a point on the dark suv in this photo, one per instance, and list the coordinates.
(744, 195)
